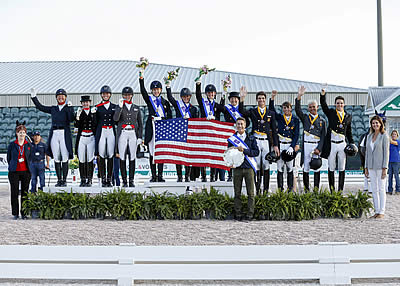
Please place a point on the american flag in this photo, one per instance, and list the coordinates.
(192, 142)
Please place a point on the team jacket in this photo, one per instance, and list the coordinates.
(179, 109)
(253, 150)
(87, 121)
(216, 108)
(104, 118)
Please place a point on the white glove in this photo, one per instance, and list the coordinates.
(69, 103)
(78, 113)
(198, 82)
(121, 102)
(33, 92)
(140, 141)
(289, 151)
(156, 118)
(94, 109)
(211, 117)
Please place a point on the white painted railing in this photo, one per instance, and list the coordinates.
(330, 263)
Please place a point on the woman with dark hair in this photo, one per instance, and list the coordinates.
(18, 158)
(376, 163)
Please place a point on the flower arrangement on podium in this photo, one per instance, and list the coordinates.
(143, 64)
(202, 71)
(226, 83)
(73, 165)
(171, 76)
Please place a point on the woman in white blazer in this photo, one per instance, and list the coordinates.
(376, 164)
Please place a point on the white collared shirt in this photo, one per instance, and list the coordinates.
(242, 136)
(128, 105)
(61, 107)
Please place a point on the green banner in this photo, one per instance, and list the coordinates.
(393, 105)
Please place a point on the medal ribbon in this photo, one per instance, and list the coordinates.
(259, 112)
(127, 102)
(312, 120)
(288, 121)
(86, 108)
(340, 118)
(210, 105)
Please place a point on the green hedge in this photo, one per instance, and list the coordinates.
(214, 205)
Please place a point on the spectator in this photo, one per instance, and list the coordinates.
(18, 158)
(376, 164)
(38, 162)
(394, 162)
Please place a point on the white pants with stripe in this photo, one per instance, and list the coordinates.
(263, 146)
(58, 147)
(106, 143)
(86, 148)
(281, 164)
(337, 149)
(378, 190)
(308, 155)
(126, 139)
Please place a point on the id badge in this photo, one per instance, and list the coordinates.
(37, 154)
(21, 160)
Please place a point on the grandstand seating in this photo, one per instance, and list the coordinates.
(36, 120)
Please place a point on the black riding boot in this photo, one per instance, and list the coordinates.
(290, 180)
(266, 181)
(90, 169)
(188, 169)
(331, 179)
(160, 169)
(132, 169)
(102, 171)
(122, 166)
(213, 172)
(341, 180)
(153, 170)
(64, 167)
(279, 178)
(257, 179)
(110, 169)
(203, 174)
(179, 172)
(82, 174)
(306, 181)
(58, 173)
(230, 175)
(317, 179)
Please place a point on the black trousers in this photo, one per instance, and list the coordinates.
(15, 178)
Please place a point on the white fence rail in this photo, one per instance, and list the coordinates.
(330, 263)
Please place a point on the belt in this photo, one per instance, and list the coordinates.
(259, 133)
(86, 135)
(311, 142)
(261, 138)
(337, 142)
(107, 127)
(58, 127)
(37, 161)
(128, 126)
(286, 143)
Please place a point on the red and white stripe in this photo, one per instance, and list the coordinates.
(205, 146)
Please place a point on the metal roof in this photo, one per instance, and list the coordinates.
(380, 94)
(88, 76)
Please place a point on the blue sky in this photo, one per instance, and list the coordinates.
(331, 41)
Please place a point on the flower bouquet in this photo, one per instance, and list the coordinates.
(171, 76)
(226, 83)
(202, 71)
(143, 63)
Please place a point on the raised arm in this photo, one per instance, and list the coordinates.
(297, 107)
(324, 105)
(272, 101)
(45, 109)
(171, 99)
(143, 91)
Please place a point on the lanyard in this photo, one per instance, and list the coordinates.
(340, 118)
(312, 120)
(259, 112)
(287, 121)
(21, 150)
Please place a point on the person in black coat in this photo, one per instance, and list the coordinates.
(18, 158)
(211, 110)
(288, 132)
(105, 136)
(183, 109)
(264, 130)
(85, 121)
(59, 145)
(247, 144)
(159, 109)
(339, 130)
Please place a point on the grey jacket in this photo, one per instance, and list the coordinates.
(378, 157)
(124, 116)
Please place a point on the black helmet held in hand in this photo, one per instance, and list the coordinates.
(315, 163)
(286, 157)
(105, 89)
(155, 84)
(210, 88)
(271, 157)
(351, 150)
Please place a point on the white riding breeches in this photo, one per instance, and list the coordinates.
(126, 139)
(308, 155)
(58, 147)
(86, 148)
(263, 146)
(106, 143)
(337, 149)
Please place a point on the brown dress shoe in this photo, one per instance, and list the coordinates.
(374, 216)
(380, 216)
